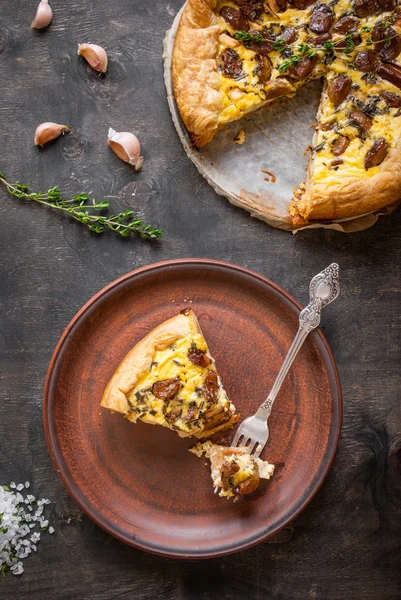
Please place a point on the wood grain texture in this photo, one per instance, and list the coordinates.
(347, 544)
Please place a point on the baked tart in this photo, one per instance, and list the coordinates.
(234, 471)
(233, 57)
(169, 378)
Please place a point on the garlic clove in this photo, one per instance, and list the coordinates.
(45, 132)
(44, 15)
(95, 55)
(127, 147)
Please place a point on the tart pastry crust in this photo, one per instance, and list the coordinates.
(342, 193)
(190, 400)
(196, 80)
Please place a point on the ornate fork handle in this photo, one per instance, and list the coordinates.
(323, 289)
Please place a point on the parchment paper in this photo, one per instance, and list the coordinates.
(276, 139)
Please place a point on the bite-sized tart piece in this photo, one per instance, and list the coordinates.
(234, 471)
(169, 378)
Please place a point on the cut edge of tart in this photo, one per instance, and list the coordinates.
(355, 160)
(231, 58)
(234, 471)
(169, 378)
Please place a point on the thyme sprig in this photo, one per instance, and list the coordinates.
(81, 209)
(304, 50)
(247, 36)
(280, 44)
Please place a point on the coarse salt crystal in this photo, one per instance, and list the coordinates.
(17, 569)
(51, 529)
(15, 511)
(27, 484)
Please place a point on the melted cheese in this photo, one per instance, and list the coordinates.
(386, 125)
(189, 403)
(247, 93)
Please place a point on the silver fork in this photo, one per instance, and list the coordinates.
(253, 432)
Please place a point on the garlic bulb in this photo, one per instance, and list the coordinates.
(44, 15)
(45, 132)
(95, 55)
(127, 147)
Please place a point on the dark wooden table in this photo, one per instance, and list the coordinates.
(347, 544)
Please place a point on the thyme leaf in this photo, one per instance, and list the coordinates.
(303, 49)
(349, 44)
(279, 44)
(286, 64)
(328, 47)
(81, 209)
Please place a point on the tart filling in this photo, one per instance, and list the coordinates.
(170, 379)
(181, 389)
(233, 57)
(234, 472)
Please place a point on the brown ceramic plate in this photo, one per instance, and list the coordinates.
(139, 482)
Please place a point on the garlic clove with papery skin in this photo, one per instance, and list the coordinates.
(44, 15)
(45, 132)
(95, 55)
(127, 147)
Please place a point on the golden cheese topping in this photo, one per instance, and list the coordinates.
(265, 53)
(247, 92)
(385, 123)
(182, 388)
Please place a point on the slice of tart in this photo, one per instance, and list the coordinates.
(355, 163)
(234, 472)
(169, 378)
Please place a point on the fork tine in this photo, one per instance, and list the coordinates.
(249, 445)
(258, 450)
(237, 437)
(253, 446)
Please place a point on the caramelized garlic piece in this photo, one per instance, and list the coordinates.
(45, 132)
(44, 15)
(127, 147)
(95, 55)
